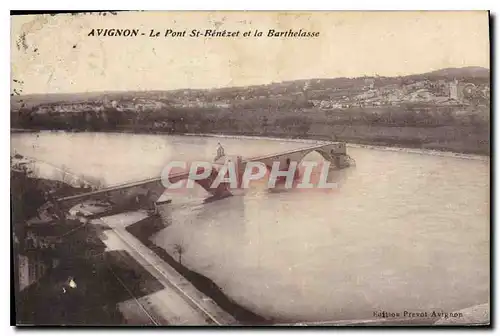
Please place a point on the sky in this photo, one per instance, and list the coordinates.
(54, 54)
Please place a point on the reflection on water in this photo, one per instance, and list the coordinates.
(402, 231)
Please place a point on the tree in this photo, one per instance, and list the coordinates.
(264, 124)
(179, 250)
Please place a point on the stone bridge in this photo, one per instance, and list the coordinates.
(151, 189)
(335, 153)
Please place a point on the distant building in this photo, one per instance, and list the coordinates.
(106, 101)
(441, 82)
(367, 95)
(454, 90)
(370, 83)
(486, 91)
(421, 95)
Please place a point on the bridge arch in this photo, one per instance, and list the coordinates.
(298, 157)
(332, 154)
(205, 183)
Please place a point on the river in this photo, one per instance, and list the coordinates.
(403, 230)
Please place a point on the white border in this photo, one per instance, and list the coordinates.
(192, 5)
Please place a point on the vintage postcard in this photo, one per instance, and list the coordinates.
(251, 168)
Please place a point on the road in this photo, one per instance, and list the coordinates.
(179, 302)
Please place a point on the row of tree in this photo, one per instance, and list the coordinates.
(261, 121)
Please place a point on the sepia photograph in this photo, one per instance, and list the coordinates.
(250, 168)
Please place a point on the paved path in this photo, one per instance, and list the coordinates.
(179, 302)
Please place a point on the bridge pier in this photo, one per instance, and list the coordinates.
(149, 191)
(335, 153)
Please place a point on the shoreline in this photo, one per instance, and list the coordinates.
(145, 228)
(395, 148)
(424, 151)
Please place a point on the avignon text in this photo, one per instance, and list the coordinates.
(207, 33)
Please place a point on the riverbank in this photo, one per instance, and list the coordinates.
(450, 138)
(147, 227)
(22, 130)
(461, 147)
(114, 285)
(353, 145)
(441, 150)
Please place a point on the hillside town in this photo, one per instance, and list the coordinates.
(447, 109)
(439, 92)
(315, 94)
